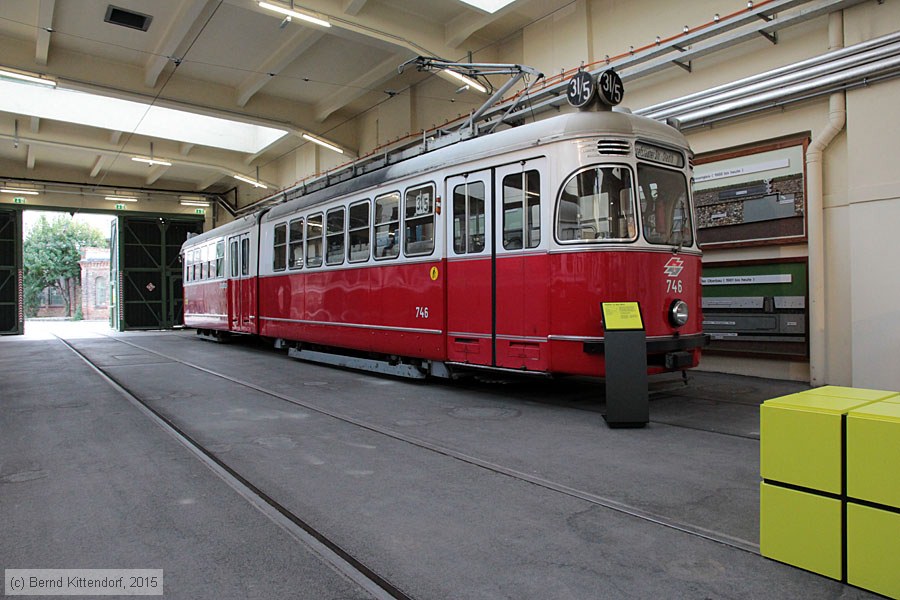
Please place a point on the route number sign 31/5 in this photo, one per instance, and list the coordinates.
(582, 89)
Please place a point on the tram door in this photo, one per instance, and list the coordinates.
(521, 267)
(470, 301)
(241, 305)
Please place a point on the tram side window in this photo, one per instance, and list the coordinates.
(279, 261)
(295, 250)
(597, 204)
(196, 261)
(468, 218)
(521, 210)
(210, 261)
(187, 267)
(234, 257)
(204, 262)
(220, 258)
(419, 221)
(245, 256)
(334, 236)
(665, 211)
(314, 241)
(387, 226)
(358, 250)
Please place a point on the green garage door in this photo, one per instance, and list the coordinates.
(12, 317)
(146, 272)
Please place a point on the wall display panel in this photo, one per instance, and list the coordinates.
(757, 308)
(751, 196)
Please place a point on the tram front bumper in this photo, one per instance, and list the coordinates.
(670, 352)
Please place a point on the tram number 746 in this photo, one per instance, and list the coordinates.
(421, 312)
(674, 285)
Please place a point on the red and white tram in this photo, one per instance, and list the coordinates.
(495, 252)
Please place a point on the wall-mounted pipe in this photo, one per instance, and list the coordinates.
(889, 64)
(753, 87)
(815, 203)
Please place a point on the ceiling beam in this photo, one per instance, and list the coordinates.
(107, 156)
(212, 179)
(155, 173)
(189, 14)
(35, 124)
(459, 29)
(301, 41)
(352, 7)
(185, 148)
(98, 166)
(374, 77)
(29, 160)
(42, 33)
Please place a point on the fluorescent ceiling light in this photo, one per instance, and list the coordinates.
(328, 145)
(151, 161)
(193, 203)
(14, 191)
(252, 182)
(466, 80)
(489, 6)
(28, 78)
(121, 199)
(71, 106)
(293, 13)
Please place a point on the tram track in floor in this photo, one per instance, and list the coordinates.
(561, 488)
(329, 551)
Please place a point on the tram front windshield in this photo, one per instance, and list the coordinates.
(665, 212)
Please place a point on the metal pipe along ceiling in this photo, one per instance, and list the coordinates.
(821, 78)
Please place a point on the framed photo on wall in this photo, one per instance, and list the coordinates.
(751, 196)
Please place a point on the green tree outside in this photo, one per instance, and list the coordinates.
(52, 250)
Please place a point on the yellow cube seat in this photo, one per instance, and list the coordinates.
(854, 393)
(873, 454)
(873, 549)
(800, 529)
(801, 440)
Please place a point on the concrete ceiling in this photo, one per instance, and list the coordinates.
(227, 58)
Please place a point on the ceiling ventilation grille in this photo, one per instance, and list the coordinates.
(614, 147)
(127, 18)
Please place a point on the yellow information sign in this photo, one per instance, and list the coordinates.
(434, 273)
(622, 316)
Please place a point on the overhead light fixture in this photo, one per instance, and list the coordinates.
(27, 78)
(250, 181)
(15, 191)
(289, 12)
(122, 198)
(466, 80)
(316, 140)
(151, 161)
(193, 203)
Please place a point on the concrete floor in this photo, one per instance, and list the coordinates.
(572, 510)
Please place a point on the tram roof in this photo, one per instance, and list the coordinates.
(560, 127)
(557, 128)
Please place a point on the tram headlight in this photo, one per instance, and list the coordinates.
(678, 313)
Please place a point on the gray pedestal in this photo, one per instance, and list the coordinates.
(627, 402)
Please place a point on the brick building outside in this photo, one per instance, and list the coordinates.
(95, 283)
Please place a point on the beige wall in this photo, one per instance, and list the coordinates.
(862, 179)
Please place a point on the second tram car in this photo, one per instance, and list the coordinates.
(495, 252)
